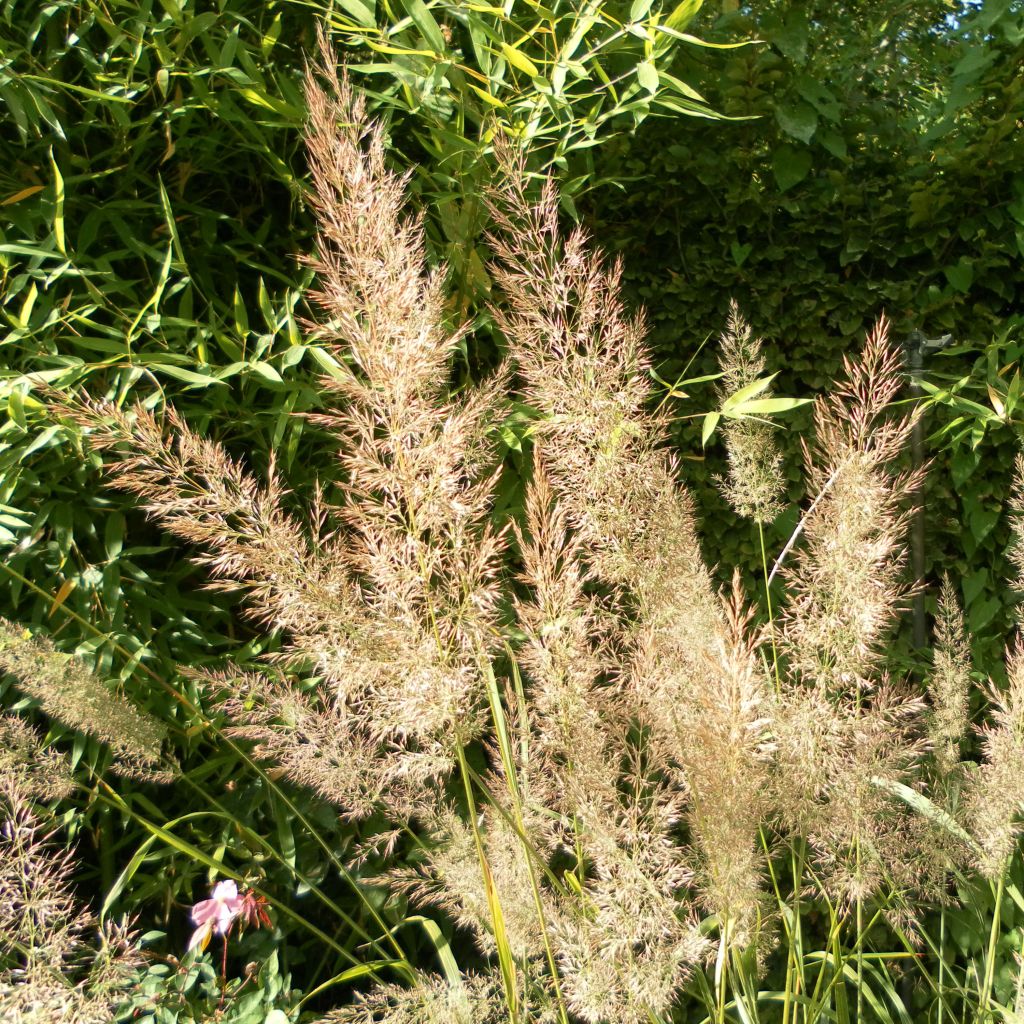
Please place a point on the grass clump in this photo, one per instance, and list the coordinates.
(622, 782)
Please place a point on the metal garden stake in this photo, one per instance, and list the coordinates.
(917, 347)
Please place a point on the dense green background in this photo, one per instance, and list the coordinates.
(884, 172)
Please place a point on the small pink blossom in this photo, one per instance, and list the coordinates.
(215, 914)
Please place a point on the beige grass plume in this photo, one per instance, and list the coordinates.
(949, 684)
(995, 792)
(754, 484)
(77, 698)
(390, 599)
(61, 967)
(845, 581)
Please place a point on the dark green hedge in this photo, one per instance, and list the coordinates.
(860, 187)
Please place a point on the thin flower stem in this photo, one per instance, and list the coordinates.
(942, 961)
(803, 522)
(498, 716)
(722, 972)
(768, 601)
(985, 1002)
(511, 999)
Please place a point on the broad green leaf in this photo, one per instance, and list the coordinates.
(748, 391)
(710, 423)
(191, 377)
(798, 120)
(506, 959)
(740, 252)
(960, 275)
(424, 21)
(647, 76)
(364, 13)
(279, 106)
(790, 166)
(767, 406)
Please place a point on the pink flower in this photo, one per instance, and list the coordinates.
(215, 914)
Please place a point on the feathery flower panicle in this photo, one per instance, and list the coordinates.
(449, 878)
(26, 763)
(327, 745)
(572, 710)
(419, 467)
(627, 944)
(712, 728)
(995, 791)
(584, 366)
(475, 1000)
(581, 359)
(1017, 525)
(60, 972)
(834, 759)
(625, 981)
(391, 599)
(949, 684)
(80, 700)
(754, 484)
(623, 615)
(845, 581)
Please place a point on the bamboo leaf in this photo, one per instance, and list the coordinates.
(424, 21)
(683, 14)
(519, 60)
(58, 206)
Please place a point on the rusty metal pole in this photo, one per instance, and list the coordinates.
(917, 346)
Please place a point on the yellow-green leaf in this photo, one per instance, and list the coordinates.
(519, 60)
(58, 206)
(683, 14)
(486, 96)
(23, 194)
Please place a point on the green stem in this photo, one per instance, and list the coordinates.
(504, 957)
(985, 1007)
(771, 616)
(722, 972)
(942, 960)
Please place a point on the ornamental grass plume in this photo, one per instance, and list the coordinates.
(55, 965)
(842, 725)
(433, 1001)
(754, 484)
(845, 581)
(1017, 524)
(77, 698)
(448, 878)
(37, 772)
(640, 768)
(995, 790)
(994, 796)
(949, 685)
(389, 599)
